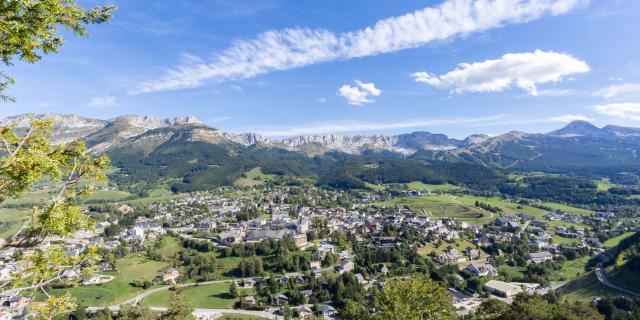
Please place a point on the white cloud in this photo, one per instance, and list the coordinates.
(521, 70)
(219, 119)
(297, 47)
(627, 110)
(619, 90)
(571, 117)
(322, 100)
(102, 102)
(362, 126)
(235, 88)
(360, 94)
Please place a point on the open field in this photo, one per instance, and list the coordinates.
(441, 206)
(566, 208)
(417, 185)
(11, 220)
(616, 240)
(119, 289)
(575, 268)
(584, 289)
(587, 287)
(254, 177)
(212, 296)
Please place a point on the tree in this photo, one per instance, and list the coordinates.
(179, 308)
(233, 289)
(29, 29)
(414, 299)
(129, 312)
(28, 158)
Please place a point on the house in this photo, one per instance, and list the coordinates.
(261, 235)
(315, 264)
(281, 299)
(382, 268)
(230, 237)
(250, 300)
(449, 256)
(302, 226)
(93, 279)
(482, 269)
(346, 265)
(328, 312)
(248, 283)
(300, 240)
(170, 275)
(304, 312)
(502, 289)
(471, 254)
(538, 257)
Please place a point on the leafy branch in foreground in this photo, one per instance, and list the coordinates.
(29, 29)
(412, 299)
(28, 158)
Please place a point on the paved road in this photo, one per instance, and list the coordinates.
(602, 277)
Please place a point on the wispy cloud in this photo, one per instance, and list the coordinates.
(297, 47)
(616, 91)
(102, 102)
(521, 70)
(626, 110)
(359, 94)
(570, 117)
(219, 119)
(364, 126)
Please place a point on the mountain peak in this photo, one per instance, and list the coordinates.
(576, 129)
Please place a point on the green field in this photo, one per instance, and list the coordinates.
(119, 289)
(212, 296)
(584, 289)
(254, 177)
(417, 185)
(566, 208)
(616, 240)
(11, 220)
(439, 206)
(624, 277)
(574, 268)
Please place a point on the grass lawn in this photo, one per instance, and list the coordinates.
(512, 272)
(417, 185)
(438, 206)
(460, 245)
(170, 247)
(213, 296)
(119, 289)
(109, 195)
(584, 289)
(254, 177)
(566, 208)
(11, 220)
(566, 241)
(616, 240)
(624, 277)
(574, 268)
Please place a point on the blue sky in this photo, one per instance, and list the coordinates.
(311, 67)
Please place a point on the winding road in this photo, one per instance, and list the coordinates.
(602, 277)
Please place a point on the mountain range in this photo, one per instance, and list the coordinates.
(579, 148)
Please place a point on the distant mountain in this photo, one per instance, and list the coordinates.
(579, 148)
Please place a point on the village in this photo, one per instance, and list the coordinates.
(328, 234)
